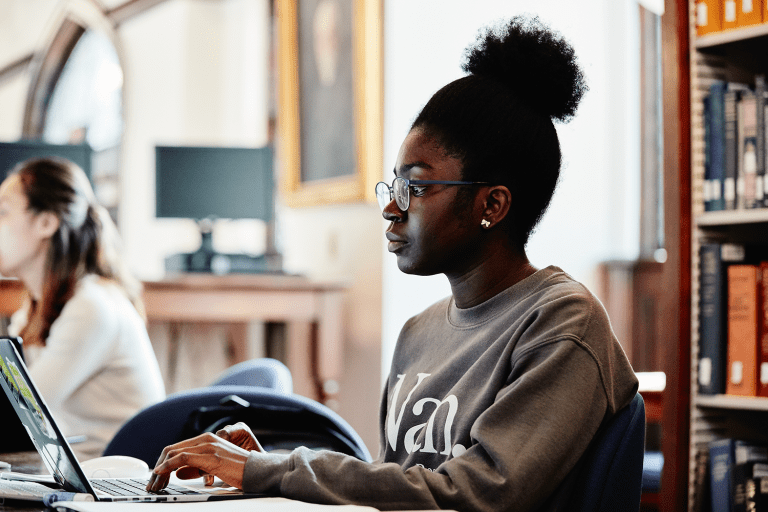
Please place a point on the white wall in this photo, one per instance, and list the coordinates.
(594, 214)
(195, 74)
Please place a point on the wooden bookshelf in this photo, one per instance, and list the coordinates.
(734, 56)
(731, 36)
(732, 218)
(740, 403)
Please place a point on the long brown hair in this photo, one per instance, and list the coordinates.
(86, 241)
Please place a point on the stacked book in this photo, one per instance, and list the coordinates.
(721, 15)
(733, 322)
(735, 146)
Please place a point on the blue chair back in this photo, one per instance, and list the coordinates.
(612, 467)
(150, 430)
(263, 372)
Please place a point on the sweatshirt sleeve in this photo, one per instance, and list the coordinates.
(77, 347)
(523, 447)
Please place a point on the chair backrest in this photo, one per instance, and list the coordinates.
(263, 372)
(611, 470)
(149, 431)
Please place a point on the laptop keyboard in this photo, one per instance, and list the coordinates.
(134, 487)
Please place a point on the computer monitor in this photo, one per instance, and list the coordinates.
(208, 183)
(11, 153)
(214, 182)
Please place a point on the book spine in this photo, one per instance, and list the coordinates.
(712, 354)
(717, 144)
(757, 494)
(708, 16)
(730, 14)
(707, 185)
(762, 382)
(740, 473)
(749, 12)
(731, 152)
(765, 144)
(742, 330)
(760, 134)
(747, 160)
(720, 461)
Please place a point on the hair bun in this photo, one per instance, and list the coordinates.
(533, 61)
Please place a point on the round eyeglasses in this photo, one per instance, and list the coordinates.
(400, 190)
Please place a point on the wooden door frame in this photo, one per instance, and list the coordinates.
(675, 34)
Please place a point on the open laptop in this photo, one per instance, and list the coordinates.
(58, 457)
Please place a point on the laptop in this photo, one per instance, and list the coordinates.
(68, 475)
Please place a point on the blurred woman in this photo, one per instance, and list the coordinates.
(83, 324)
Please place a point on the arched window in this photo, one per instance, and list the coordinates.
(76, 96)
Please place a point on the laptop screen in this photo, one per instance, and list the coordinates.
(38, 422)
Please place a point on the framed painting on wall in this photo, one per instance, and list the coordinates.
(329, 117)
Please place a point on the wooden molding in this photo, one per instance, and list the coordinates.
(675, 34)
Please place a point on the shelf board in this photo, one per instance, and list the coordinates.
(732, 217)
(744, 403)
(731, 36)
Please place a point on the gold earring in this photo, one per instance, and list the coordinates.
(485, 223)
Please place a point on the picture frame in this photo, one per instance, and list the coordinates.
(330, 108)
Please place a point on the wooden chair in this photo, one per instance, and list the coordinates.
(651, 388)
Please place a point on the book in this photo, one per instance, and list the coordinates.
(709, 16)
(712, 323)
(757, 492)
(741, 474)
(724, 456)
(742, 330)
(730, 130)
(714, 259)
(721, 458)
(701, 482)
(716, 146)
(761, 198)
(749, 12)
(730, 14)
(707, 184)
(746, 177)
(762, 356)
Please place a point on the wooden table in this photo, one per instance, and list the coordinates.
(311, 311)
(29, 463)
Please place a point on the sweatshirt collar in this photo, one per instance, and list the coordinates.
(500, 302)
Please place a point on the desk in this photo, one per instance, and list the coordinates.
(30, 462)
(311, 311)
(25, 462)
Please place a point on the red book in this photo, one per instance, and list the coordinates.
(730, 14)
(743, 289)
(709, 16)
(762, 381)
(749, 12)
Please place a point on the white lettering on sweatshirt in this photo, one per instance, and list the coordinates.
(409, 442)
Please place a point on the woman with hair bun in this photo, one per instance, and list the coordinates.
(83, 328)
(495, 392)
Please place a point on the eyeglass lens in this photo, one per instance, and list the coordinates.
(398, 191)
(402, 197)
(383, 194)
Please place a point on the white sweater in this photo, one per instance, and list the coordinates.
(98, 367)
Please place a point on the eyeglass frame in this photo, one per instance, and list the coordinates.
(409, 184)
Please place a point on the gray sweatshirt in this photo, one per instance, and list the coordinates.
(485, 409)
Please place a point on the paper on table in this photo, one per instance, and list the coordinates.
(244, 505)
